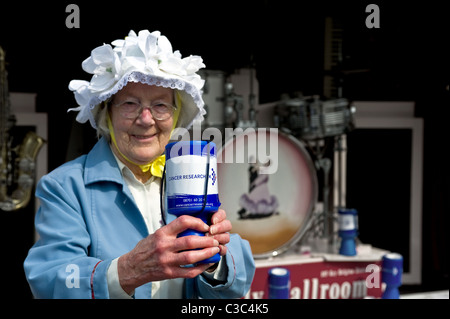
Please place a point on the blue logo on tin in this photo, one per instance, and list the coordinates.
(213, 176)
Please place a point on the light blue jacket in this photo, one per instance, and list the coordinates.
(87, 217)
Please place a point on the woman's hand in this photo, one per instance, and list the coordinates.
(161, 255)
(219, 230)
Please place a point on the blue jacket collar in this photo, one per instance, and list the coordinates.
(101, 165)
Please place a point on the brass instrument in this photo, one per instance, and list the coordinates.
(17, 163)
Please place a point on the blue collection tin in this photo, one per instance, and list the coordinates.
(279, 283)
(191, 182)
(348, 230)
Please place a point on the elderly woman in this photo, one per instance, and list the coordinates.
(100, 225)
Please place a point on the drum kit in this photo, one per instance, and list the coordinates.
(277, 211)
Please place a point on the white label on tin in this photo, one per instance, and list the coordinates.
(187, 174)
(346, 222)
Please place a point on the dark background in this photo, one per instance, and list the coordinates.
(407, 60)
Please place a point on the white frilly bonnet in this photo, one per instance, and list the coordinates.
(146, 58)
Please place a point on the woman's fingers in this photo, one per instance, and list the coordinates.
(183, 223)
(191, 257)
(194, 242)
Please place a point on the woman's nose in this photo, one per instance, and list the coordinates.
(146, 116)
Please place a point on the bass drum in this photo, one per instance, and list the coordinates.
(271, 211)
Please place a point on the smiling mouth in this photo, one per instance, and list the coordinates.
(143, 137)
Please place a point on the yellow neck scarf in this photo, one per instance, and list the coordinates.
(156, 167)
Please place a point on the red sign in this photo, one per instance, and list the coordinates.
(324, 280)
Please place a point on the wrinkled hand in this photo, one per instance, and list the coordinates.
(219, 230)
(161, 255)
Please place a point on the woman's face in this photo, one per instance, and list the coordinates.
(142, 139)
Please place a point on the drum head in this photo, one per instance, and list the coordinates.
(271, 211)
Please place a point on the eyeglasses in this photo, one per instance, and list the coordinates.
(131, 109)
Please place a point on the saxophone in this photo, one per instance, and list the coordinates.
(17, 163)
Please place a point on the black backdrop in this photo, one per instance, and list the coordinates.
(406, 57)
